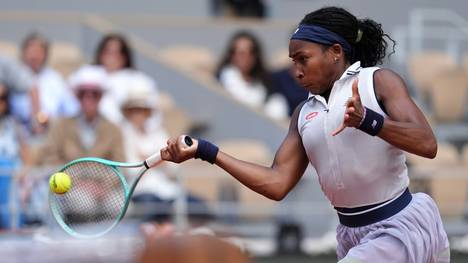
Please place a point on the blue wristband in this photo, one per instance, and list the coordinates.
(206, 151)
(372, 122)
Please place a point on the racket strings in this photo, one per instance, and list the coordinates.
(96, 198)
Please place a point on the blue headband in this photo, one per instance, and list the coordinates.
(320, 35)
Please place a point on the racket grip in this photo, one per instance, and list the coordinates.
(153, 160)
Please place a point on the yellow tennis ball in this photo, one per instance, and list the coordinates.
(60, 183)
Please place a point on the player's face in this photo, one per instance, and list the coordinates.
(313, 65)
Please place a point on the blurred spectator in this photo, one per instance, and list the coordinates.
(165, 248)
(55, 99)
(18, 80)
(88, 133)
(13, 153)
(115, 55)
(239, 8)
(286, 84)
(243, 74)
(144, 136)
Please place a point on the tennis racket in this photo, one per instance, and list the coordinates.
(99, 196)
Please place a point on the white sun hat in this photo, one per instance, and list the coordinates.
(88, 77)
(142, 92)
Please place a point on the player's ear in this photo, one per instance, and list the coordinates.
(336, 51)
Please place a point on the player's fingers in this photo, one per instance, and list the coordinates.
(340, 129)
(173, 151)
(165, 154)
(174, 148)
(347, 120)
(350, 110)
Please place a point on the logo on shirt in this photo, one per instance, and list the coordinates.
(311, 115)
(374, 123)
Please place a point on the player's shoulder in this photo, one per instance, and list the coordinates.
(388, 84)
(385, 75)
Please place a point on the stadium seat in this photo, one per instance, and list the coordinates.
(447, 154)
(444, 178)
(465, 155)
(256, 206)
(191, 58)
(448, 90)
(175, 120)
(465, 63)
(424, 66)
(9, 49)
(202, 179)
(65, 58)
(449, 188)
(280, 59)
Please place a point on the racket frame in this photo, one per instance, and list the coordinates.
(128, 191)
(150, 162)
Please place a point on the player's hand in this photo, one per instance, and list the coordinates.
(354, 111)
(178, 151)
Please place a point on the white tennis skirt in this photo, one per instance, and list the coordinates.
(414, 235)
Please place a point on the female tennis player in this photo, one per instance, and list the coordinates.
(353, 130)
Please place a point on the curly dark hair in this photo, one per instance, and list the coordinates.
(370, 49)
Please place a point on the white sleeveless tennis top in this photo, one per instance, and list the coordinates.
(354, 168)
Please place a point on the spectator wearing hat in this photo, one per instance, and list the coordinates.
(144, 135)
(88, 133)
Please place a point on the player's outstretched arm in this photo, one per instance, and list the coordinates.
(273, 182)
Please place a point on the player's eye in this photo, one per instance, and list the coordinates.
(302, 60)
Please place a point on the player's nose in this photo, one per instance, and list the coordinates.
(299, 74)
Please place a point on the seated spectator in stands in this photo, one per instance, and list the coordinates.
(88, 133)
(13, 154)
(239, 8)
(18, 80)
(286, 84)
(243, 74)
(55, 99)
(115, 55)
(144, 136)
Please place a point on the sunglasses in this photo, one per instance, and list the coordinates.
(95, 94)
